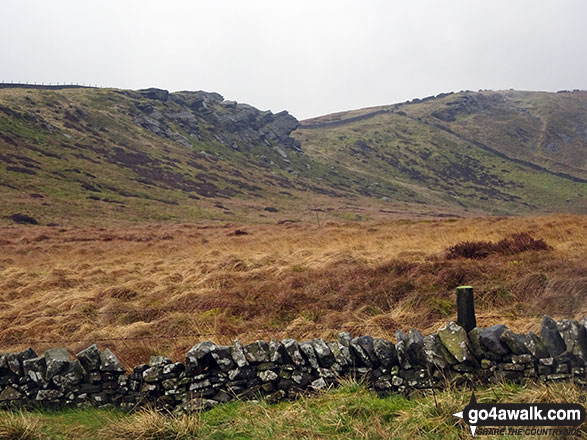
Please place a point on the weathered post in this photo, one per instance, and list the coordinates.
(466, 308)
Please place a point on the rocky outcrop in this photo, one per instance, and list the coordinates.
(180, 116)
(213, 374)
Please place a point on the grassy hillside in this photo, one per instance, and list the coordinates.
(104, 156)
(502, 152)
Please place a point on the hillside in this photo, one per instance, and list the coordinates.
(84, 155)
(508, 152)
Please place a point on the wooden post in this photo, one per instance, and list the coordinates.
(466, 308)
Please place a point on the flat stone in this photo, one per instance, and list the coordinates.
(319, 384)
(49, 395)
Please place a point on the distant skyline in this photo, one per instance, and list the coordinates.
(308, 57)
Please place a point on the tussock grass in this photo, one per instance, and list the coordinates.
(298, 280)
(20, 426)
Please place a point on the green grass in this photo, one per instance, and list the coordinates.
(348, 412)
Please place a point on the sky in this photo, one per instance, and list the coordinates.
(308, 57)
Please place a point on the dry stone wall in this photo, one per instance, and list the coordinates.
(213, 374)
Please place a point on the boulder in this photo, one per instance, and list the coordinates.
(277, 353)
(35, 369)
(414, 346)
(359, 353)
(476, 345)
(402, 350)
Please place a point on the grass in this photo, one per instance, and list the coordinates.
(348, 412)
(161, 288)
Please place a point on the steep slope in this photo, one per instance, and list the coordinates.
(85, 155)
(502, 152)
(100, 155)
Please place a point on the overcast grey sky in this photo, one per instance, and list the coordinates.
(309, 57)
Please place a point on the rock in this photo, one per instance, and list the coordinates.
(436, 354)
(198, 357)
(14, 360)
(490, 339)
(293, 350)
(323, 353)
(90, 358)
(319, 384)
(257, 352)
(154, 93)
(575, 338)
(57, 359)
(456, 341)
(277, 352)
(308, 351)
(342, 354)
(159, 361)
(385, 352)
(551, 338)
(109, 362)
(359, 353)
(72, 376)
(49, 395)
(152, 375)
(514, 341)
(35, 369)
(10, 393)
(267, 375)
(238, 354)
(535, 346)
(475, 340)
(222, 354)
(414, 346)
(402, 350)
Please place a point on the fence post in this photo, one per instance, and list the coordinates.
(466, 308)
